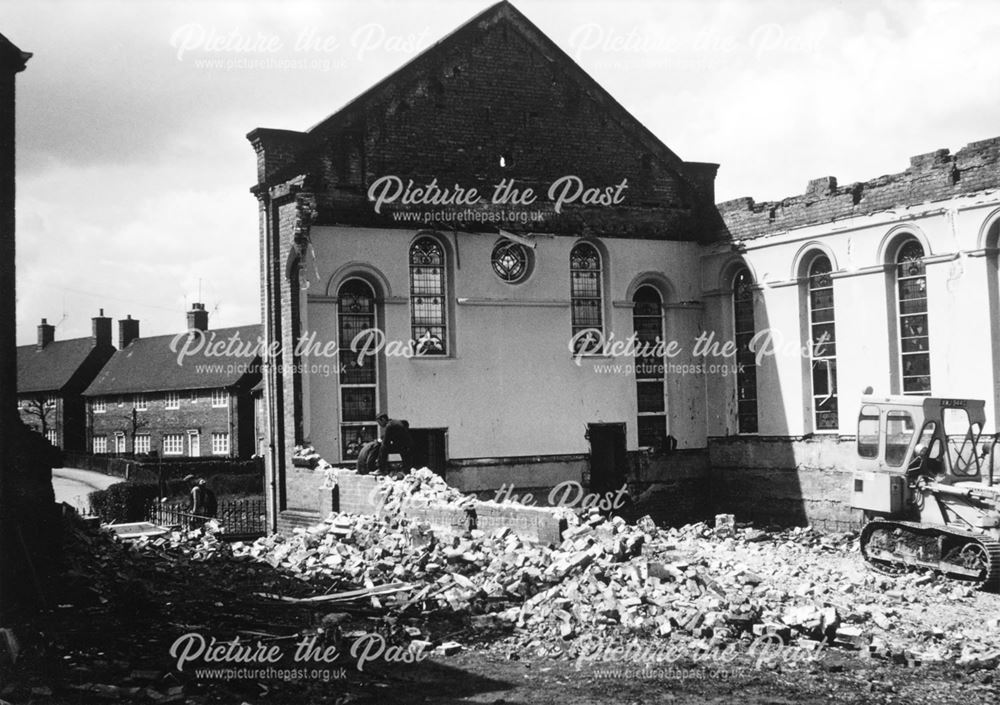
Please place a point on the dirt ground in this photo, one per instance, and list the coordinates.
(120, 619)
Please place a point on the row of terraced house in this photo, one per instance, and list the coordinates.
(141, 397)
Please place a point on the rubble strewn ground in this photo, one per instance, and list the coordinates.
(696, 612)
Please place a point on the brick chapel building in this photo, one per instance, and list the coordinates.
(496, 321)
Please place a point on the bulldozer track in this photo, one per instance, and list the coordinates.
(897, 564)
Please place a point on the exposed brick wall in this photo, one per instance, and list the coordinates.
(496, 88)
(933, 176)
(236, 419)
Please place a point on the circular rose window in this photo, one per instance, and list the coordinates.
(510, 261)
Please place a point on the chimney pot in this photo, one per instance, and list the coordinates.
(101, 329)
(46, 333)
(197, 317)
(128, 330)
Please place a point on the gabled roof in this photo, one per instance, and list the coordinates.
(50, 368)
(501, 11)
(150, 365)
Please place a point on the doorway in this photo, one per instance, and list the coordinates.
(607, 456)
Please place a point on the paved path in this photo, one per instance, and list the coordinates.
(72, 485)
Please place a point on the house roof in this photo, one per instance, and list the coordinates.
(172, 362)
(49, 369)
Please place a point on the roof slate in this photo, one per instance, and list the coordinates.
(50, 368)
(156, 364)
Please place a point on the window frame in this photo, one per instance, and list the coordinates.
(656, 379)
(99, 405)
(219, 398)
(828, 360)
(143, 439)
(368, 429)
(219, 439)
(578, 329)
(102, 441)
(172, 400)
(443, 347)
(902, 319)
(172, 444)
(747, 356)
(140, 403)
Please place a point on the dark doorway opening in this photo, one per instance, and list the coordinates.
(607, 456)
(428, 447)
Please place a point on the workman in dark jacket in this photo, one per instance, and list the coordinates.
(395, 439)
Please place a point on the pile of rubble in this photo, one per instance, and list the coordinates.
(697, 584)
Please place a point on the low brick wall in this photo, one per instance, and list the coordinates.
(785, 480)
(359, 494)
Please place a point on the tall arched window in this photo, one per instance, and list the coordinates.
(647, 319)
(585, 291)
(428, 298)
(358, 374)
(823, 345)
(746, 363)
(914, 340)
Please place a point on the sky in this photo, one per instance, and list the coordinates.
(134, 169)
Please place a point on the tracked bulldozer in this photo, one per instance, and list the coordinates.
(925, 481)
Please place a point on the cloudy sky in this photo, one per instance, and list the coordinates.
(134, 168)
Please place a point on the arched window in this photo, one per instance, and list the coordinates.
(914, 340)
(822, 345)
(358, 372)
(428, 298)
(585, 292)
(746, 363)
(647, 320)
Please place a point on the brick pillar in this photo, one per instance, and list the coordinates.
(12, 61)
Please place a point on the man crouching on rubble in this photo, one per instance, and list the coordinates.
(395, 439)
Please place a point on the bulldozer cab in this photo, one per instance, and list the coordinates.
(930, 435)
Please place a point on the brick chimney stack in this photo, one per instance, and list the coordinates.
(128, 330)
(46, 333)
(197, 318)
(101, 329)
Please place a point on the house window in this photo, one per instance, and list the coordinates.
(119, 442)
(52, 437)
(823, 345)
(914, 340)
(173, 400)
(358, 374)
(139, 402)
(193, 398)
(98, 406)
(220, 398)
(428, 300)
(746, 363)
(173, 444)
(510, 261)
(220, 444)
(100, 444)
(585, 297)
(647, 319)
(142, 444)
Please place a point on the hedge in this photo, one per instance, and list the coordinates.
(123, 501)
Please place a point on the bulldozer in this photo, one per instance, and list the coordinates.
(924, 479)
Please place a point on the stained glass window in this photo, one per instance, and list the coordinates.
(428, 300)
(914, 339)
(510, 261)
(585, 295)
(358, 374)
